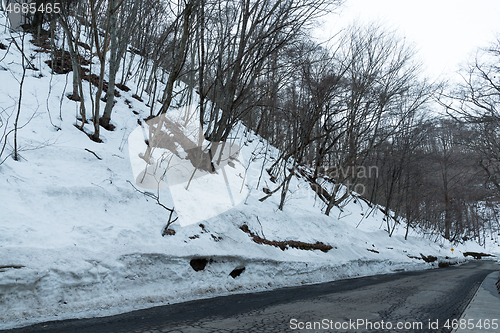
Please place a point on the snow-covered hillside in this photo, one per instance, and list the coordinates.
(78, 240)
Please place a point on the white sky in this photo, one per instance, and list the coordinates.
(446, 32)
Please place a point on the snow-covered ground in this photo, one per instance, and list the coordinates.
(77, 240)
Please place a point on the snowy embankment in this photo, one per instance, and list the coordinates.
(77, 240)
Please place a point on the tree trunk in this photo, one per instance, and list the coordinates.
(74, 60)
(114, 63)
(179, 59)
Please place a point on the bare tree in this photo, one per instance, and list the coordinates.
(475, 101)
(20, 98)
(124, 17)
(383, 78)
(248, 34)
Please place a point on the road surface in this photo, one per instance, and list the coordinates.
(420, 301)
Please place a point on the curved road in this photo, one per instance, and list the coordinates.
(403, 302)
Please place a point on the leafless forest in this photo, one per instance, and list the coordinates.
(356, 111)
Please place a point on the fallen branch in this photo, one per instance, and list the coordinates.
(90, 151)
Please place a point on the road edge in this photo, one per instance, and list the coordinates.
(477, 296)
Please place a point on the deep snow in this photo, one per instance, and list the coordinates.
(77, 240)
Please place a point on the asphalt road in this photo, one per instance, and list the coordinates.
(403, 302)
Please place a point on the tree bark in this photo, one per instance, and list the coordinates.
(113, 65)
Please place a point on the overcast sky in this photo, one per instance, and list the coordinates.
(446, 32)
